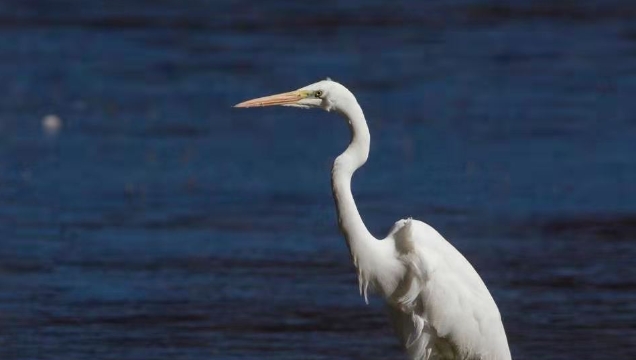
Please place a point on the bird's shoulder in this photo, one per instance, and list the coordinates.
(438, 267)
(410, 234)
(427, 252)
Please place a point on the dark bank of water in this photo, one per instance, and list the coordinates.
(160, 223)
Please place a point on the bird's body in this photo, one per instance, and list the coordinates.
(439, 306)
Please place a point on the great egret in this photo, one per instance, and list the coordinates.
(438, 304)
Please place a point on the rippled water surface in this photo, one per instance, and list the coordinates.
(161, 223)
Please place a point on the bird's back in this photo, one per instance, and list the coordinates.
(442, 309)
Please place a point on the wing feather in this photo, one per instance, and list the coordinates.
(443, 307)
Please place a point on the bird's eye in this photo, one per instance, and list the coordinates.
(318, 93)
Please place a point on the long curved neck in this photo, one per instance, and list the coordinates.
(360, 241)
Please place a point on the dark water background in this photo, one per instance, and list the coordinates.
(160, 223)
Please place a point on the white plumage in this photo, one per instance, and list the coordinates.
(442, 309)
(439, 306)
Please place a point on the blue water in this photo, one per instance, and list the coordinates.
(161, 223)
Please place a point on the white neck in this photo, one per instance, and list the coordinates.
(362, 245)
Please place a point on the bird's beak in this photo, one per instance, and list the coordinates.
(289, 99)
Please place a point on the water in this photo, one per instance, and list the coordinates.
(160, 223)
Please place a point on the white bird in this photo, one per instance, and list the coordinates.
(438, 304)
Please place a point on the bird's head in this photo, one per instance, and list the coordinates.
(326, 94)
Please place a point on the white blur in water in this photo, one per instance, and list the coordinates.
(52, 124)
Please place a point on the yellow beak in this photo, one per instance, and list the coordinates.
(287, 98)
